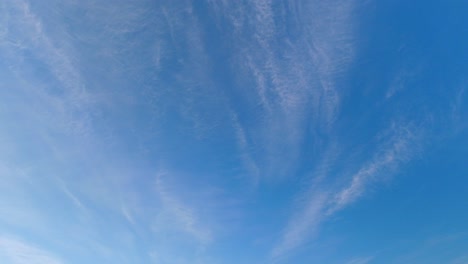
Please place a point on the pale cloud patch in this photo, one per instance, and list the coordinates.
(18, 252)
(322, 202)
(72, 196)
(185, 217)
(302, 225)
(457, 109)
(460, 260)
(127, 215)
(401, 79)
(398, 149)
(295, 88)
(60, 63)
(362, 260)
(245, 152)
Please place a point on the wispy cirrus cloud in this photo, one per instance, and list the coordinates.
(401, 142)
(244, 147)
(185, 218)
(362, 260)
(66, 93)
(63, 114)
(458, 110)
(49, 125)
(460, 260)
(17, 252)
(290, 58)
(302, 225)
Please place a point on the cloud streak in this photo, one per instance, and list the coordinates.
(322, 202)
(399, 149)
(28, 30)
(184, 216)
(295, 87)
(360, 260)
(18, 252)
(302, 225)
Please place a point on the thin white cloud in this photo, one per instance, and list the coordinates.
(65, 98)
(457, 109)
(460, 260)
(76, 201)
(59, 62)
(90, 177)
(401, 79)
(362, 260)
(184, 216)
(295, 87)
(243, 145)
(126, 213)
(311, 205)
(18, 252)
(302, 225)
(322, 202)
(399, 151)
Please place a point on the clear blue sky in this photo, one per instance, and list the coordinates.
(219, 131)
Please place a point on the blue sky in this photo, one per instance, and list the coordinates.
(250, 132)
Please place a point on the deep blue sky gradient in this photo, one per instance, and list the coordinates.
(233, 132)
